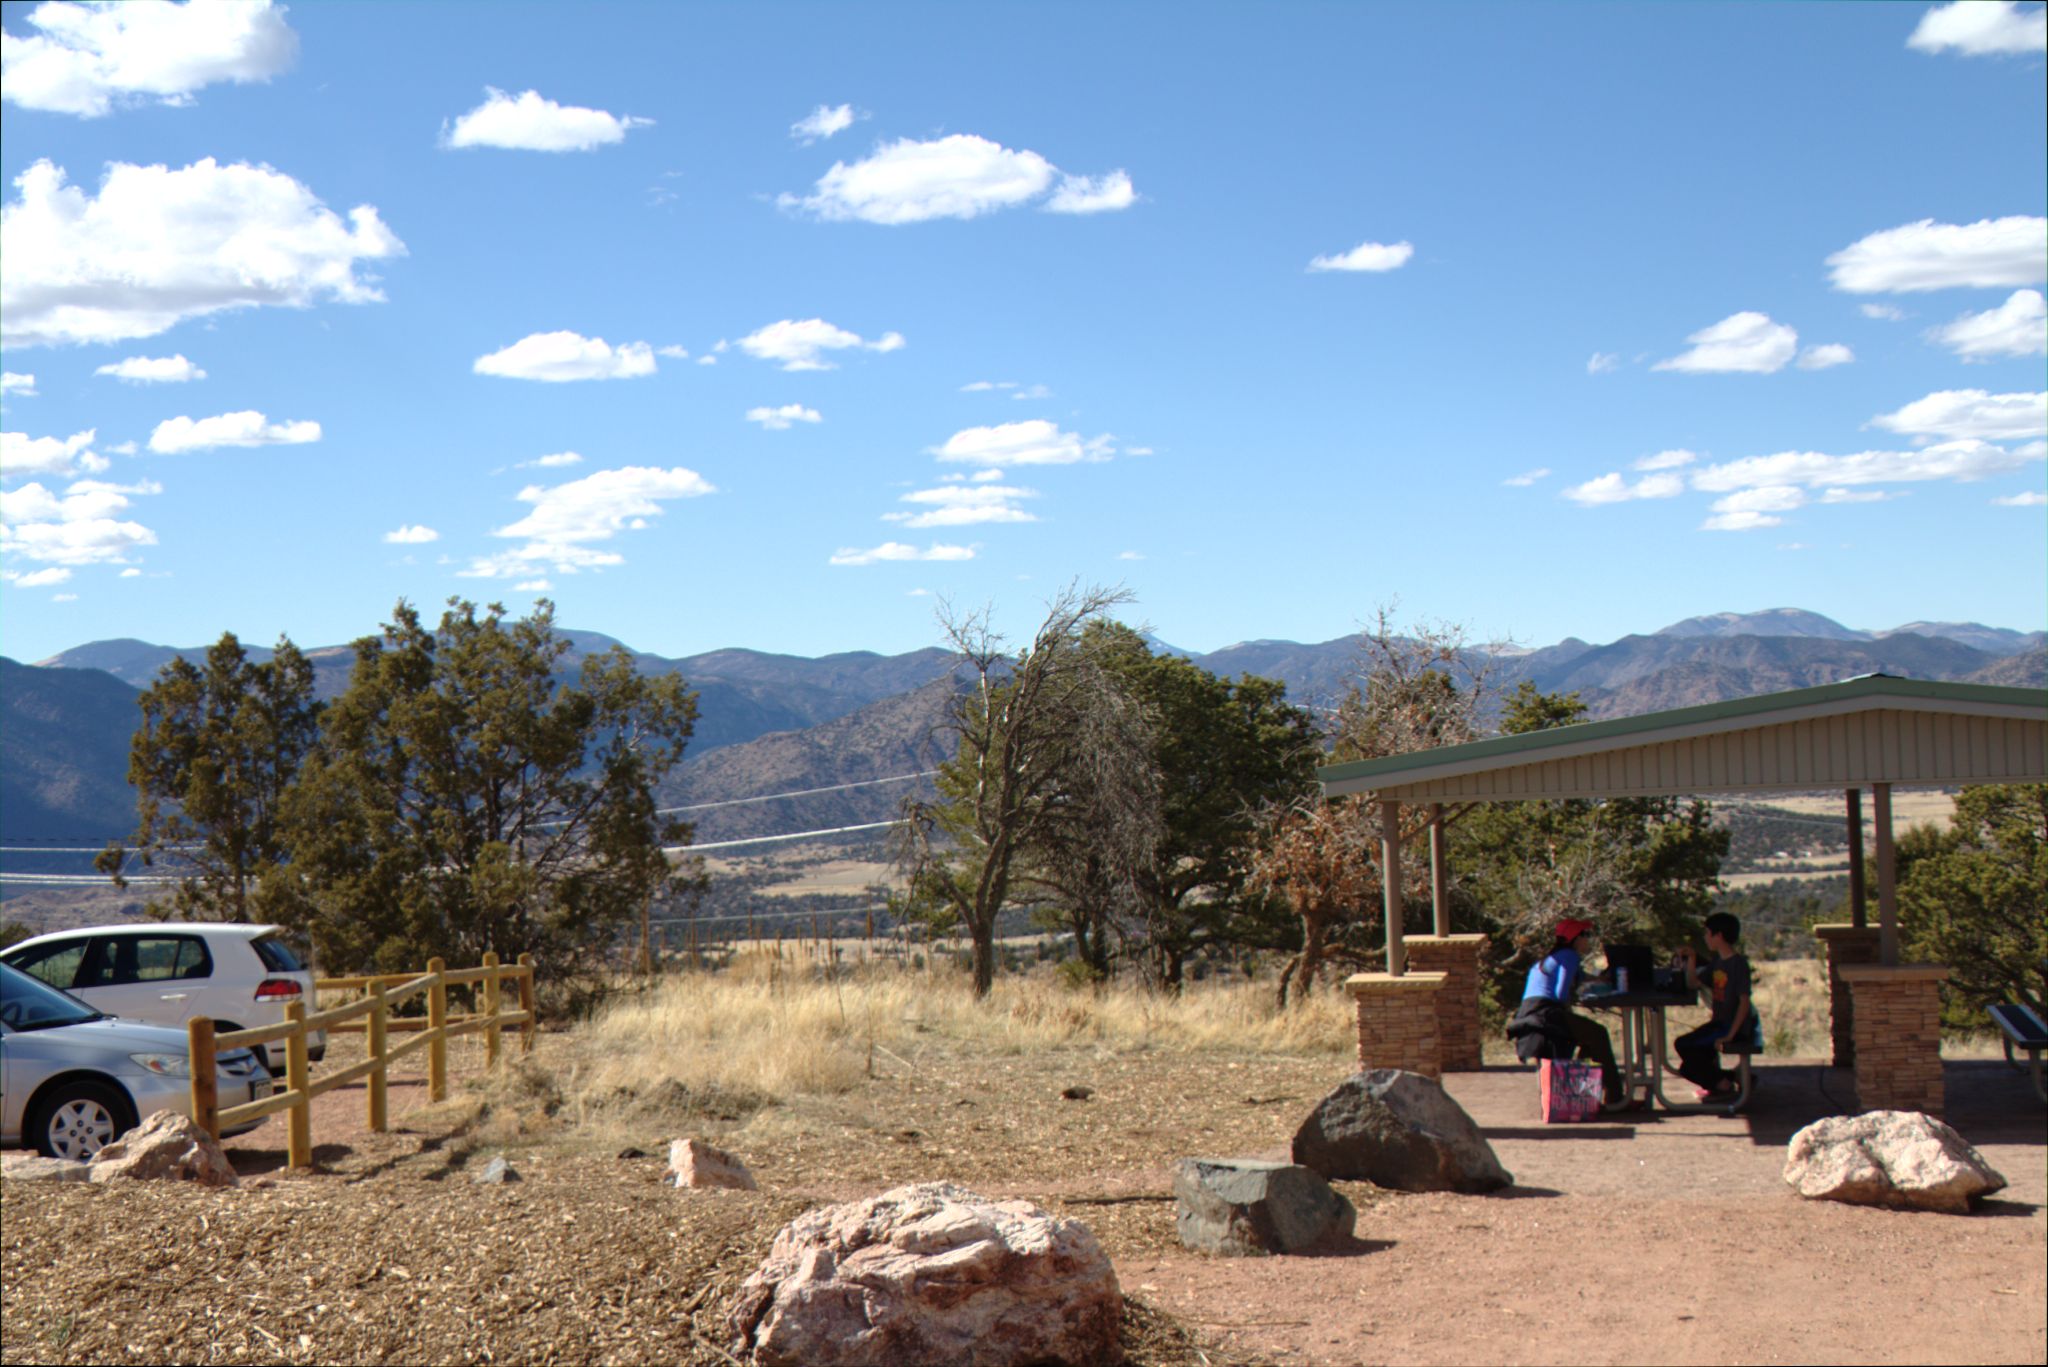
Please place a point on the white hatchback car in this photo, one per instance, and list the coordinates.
(240, 976)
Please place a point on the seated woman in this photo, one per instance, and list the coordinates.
(1545, 1026)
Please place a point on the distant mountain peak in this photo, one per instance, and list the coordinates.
(1769, 622)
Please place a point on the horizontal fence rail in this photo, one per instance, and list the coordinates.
(371, 1016)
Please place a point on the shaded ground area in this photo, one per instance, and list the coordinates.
(1667, 1239)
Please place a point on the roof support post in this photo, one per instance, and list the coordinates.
(1390, 880)
(1439, 879)
(1858, 915)
(1887, 890)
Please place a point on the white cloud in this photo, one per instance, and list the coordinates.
(1932, 256)
(78, 528)
(567, 518)
(530, 123)
(21, 454)
(1744, 343)
(532, 586)
(897, 550)
(1748, 509)
(964, 505)
(130, 573)
(1367, 256)
(1130, 555)
(1885, 312)
(247, 428)
(984, 386)
(2033, 498)
(1981, 28)
(779, 419)
(412, 535)
(1974, 413)
(1092, 194)
(823, 122)
(2018, 327)
(1036, 391)
(560, 460)
(153, 370)
(11, 383)
(674, 353)
(87, 59)
(1665, 460)
(1957, 460)
(1859, 496)
(801, 345)
(63, 597)
(120, 448)
(958, 176)
(36, 579)
(1139, 451)
(1035, 441)
(559, 357)
(1825, 356)
(1615, 488)
(156, 246)
(1527, 477)
(1600, 362)
(707, 360)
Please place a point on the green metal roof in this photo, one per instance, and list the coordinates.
(1529, 746)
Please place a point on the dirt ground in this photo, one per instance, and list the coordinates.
(1666, 1239)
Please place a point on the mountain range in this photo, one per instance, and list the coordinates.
(771, 723)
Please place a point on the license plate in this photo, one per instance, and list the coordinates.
(261, 1088)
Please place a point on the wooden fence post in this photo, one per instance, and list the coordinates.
(526, 995)
(205, 1082)
(299, 1137)
(437, 1024)
(379, 1009)
(492, 996)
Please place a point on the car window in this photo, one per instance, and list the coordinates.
(159, 958)
(55, 964)
(277, 956)
(111, 963)
(26, 1004)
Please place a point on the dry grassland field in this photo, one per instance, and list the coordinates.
(1657, 1239)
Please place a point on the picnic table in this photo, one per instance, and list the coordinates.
(1643, 1046)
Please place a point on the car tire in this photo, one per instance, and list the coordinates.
(78, 1119)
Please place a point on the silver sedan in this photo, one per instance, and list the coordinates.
(72, 1080)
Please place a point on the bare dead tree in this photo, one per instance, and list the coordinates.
(1321, 857)
(1044, 735)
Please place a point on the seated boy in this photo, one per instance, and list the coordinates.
(1727, 980)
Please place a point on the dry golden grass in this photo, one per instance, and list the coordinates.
(781, 1029)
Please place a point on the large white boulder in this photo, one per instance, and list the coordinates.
(165, 1147)
(1888, 1158)
(930, 1274)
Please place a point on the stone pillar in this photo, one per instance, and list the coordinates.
(1397, 1021)
(1842, 946)
(1457, 1003)
(1898, 1035)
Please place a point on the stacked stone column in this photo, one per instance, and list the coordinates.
(1898, 1036)
(1845, 945)
(1397, 1021)
(1457, 1002)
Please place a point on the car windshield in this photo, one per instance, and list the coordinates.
(26, 1004)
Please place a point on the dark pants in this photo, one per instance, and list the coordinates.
(1699, 1056)
(1595, 1045)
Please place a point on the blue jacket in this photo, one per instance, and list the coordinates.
(1553, 977)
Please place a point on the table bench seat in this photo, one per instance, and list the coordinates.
(2023, 1030)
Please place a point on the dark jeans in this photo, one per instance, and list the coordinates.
(1699, 1056)
(1595, 1045)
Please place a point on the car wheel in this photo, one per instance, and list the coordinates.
(80, 1118)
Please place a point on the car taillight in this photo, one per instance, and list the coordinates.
(275, 989)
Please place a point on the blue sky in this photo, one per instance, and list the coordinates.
(1272, 313)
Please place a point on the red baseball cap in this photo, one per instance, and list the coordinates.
(1569, 929)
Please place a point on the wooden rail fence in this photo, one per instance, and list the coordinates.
(370, 1016)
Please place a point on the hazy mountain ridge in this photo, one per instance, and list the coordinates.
(770, 723)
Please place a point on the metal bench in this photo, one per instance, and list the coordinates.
(2023, 1030)
(1745, 1080)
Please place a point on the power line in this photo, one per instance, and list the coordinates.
(800, 792)
(769, 839)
